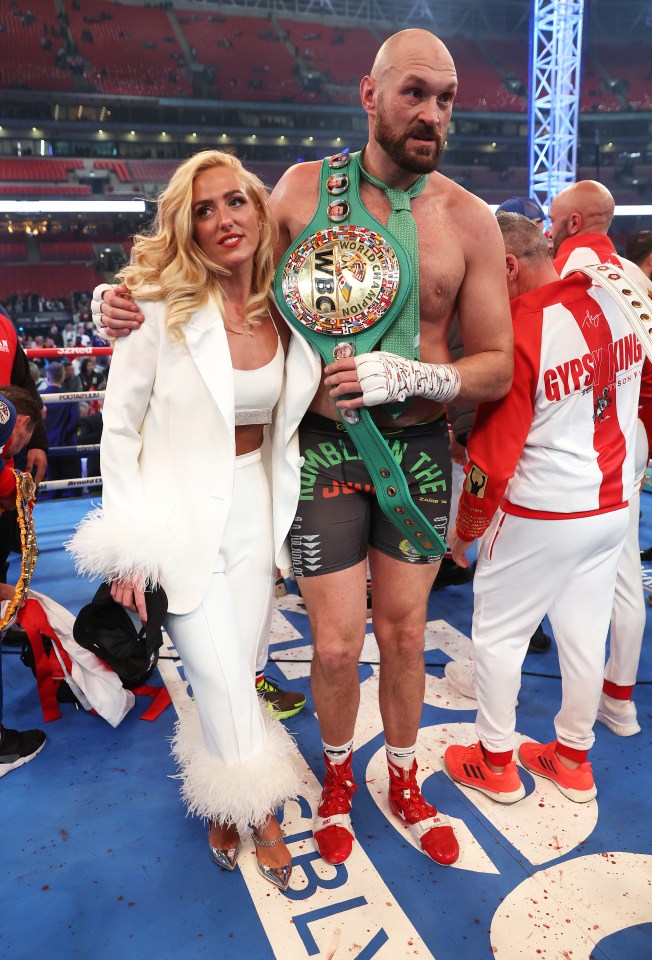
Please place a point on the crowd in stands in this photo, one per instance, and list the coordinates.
(74, 423)
(77, 303)
(210, 55)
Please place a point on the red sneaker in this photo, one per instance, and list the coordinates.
(431, 829)
(542, 760)
(332, 828)
(469, 767)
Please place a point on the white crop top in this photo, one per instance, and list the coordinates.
(257, 391)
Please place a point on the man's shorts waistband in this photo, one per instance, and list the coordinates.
(321, 424)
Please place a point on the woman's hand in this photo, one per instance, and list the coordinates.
(128, 595)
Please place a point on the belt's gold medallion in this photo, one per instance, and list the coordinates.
(341, 280)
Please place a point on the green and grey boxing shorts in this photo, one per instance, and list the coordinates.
(338, 516)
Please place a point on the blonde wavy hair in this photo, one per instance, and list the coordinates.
(167, 264)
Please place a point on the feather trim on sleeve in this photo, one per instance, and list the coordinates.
(130, 549)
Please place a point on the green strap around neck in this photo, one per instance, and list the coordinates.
(402, 337)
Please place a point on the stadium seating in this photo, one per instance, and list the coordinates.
(118, 167)
(133, 49)
(29, 43)
(37, 169)
(154, 173)
(630, 66)
(38, 190)
(49, 280)
(67, 250)
(250, 61)
(344, 55)
(12, 251)
(481, 86)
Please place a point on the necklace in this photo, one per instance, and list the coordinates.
(245, 326)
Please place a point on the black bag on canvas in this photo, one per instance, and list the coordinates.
(104, 627)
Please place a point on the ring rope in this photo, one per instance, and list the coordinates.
(80, 448)
(37, 353)
(75, 482)
(74, 396)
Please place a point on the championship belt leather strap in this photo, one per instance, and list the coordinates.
(341, 285)
(630, 296)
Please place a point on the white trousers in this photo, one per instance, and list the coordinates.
(527, 568)
(236, 763)
(628, 617)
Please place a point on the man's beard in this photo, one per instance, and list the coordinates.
(561, 235)
(420, 159)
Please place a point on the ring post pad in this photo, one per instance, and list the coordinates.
(341, 285)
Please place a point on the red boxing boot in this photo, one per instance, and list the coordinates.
(431, 829)
(332, 829)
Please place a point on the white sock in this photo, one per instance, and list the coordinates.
(401, 756)
(338, 755)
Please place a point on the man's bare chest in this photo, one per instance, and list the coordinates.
(440, 253)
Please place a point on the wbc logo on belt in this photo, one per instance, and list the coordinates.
(341, 280)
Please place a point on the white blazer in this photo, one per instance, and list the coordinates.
(168, 456)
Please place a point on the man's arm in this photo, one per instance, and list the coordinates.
(36, 456)
(483, 310)
(293, 202)
(485, 371)
(497, 438)
(114, 312)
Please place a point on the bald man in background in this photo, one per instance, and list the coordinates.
(580, 217)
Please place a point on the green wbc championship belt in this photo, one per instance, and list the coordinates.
(341, 285)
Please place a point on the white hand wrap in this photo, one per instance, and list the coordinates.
(96, 305)
(387, 378)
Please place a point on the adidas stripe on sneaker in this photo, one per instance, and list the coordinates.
(467, 765)
(542, 760)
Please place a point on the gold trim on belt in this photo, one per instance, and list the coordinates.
(25, 496)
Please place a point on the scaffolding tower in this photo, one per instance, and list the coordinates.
(554, 93)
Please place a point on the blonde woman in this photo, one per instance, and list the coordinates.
(186, 498)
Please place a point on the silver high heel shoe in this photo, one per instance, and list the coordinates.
(279, 876)
(226, 857)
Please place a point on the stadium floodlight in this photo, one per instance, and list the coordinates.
(72, 206)
(633, 210)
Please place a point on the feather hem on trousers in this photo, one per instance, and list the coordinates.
(245, 793)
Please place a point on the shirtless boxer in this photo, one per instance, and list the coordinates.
(408, 97)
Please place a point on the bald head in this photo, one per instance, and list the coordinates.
(584, 207)
(410, 47)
